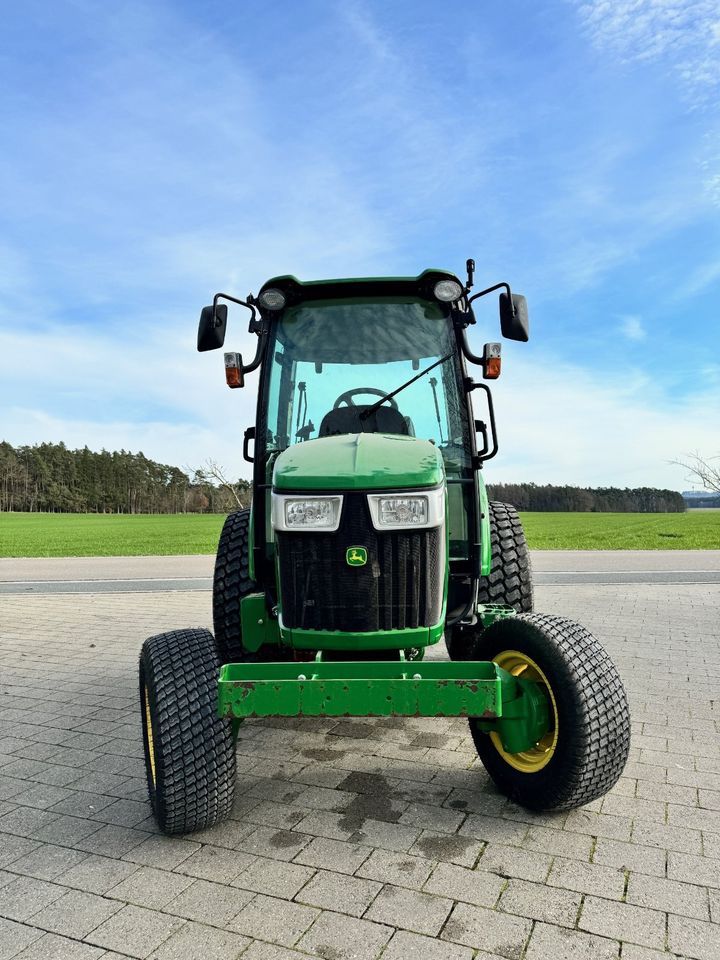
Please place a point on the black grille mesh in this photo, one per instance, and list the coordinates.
(400, 586)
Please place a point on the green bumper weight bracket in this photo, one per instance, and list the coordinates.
(517, 709)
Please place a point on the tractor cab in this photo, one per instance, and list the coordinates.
(365, 365)
(374, 372)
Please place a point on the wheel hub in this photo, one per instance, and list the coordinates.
(538, 756)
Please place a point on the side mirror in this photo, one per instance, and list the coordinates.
(212, 326)
(514, 321)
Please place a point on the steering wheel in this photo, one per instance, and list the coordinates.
(347, 397)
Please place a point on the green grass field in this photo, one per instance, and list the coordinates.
(107, 535)
(696, 530)
(93, 535)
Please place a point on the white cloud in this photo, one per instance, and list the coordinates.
(632, 328)
(557, 422)
(151, 392)
(184, 445)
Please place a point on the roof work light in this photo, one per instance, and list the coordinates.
(272, 299)
(447, 290)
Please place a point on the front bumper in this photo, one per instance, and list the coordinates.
(363, 689)
(516, 709)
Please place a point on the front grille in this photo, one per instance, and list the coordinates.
(400, 586)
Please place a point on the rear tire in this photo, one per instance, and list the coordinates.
(189, 750)
(510, 579)
(232, 582)
(586, 752)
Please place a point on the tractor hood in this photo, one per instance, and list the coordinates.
(364, 461)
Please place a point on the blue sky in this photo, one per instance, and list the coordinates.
(154, 153)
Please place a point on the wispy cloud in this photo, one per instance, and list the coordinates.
(680, 39)
(632, 327)
(704, 274)
(683, 34)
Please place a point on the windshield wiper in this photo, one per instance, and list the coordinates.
(370, 410)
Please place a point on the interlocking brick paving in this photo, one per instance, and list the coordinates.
(352, 838)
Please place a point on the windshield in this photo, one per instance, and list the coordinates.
(331, 361)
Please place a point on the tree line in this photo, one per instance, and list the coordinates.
(545, 497)
(51, 478)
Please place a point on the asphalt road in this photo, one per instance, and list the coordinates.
(155, 574)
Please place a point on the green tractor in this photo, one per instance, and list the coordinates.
(369, 540)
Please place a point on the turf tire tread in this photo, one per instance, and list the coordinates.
(510, 578)
(231, 583)
(194, 748)
(509, 581)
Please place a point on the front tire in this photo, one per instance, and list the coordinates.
(584, 753)
(189, 750)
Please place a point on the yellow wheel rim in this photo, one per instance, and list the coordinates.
(537, 757)
(150, 741)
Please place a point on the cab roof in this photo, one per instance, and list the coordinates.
(420, 287)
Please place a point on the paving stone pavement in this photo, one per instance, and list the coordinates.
(352, 839)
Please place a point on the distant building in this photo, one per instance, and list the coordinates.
(696, 499)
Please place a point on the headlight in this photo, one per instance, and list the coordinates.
(447, 290)
(405, 511)
(306, 513)
(392, 511)
(272, 299)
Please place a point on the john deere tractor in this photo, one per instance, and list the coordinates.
(369, 540)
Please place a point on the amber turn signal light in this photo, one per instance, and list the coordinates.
(233, 370)
(491, 361)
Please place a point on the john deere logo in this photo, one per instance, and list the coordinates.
(356, 556)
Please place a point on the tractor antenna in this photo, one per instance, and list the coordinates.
(470, 265)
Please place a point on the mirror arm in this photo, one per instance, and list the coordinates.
(257, 360)
(243, 303)
(256, 326)
(497, 286)
(469, 355)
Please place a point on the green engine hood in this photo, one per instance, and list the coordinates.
(364, 461)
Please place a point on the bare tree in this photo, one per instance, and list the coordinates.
(213, 469)
(705, 471)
